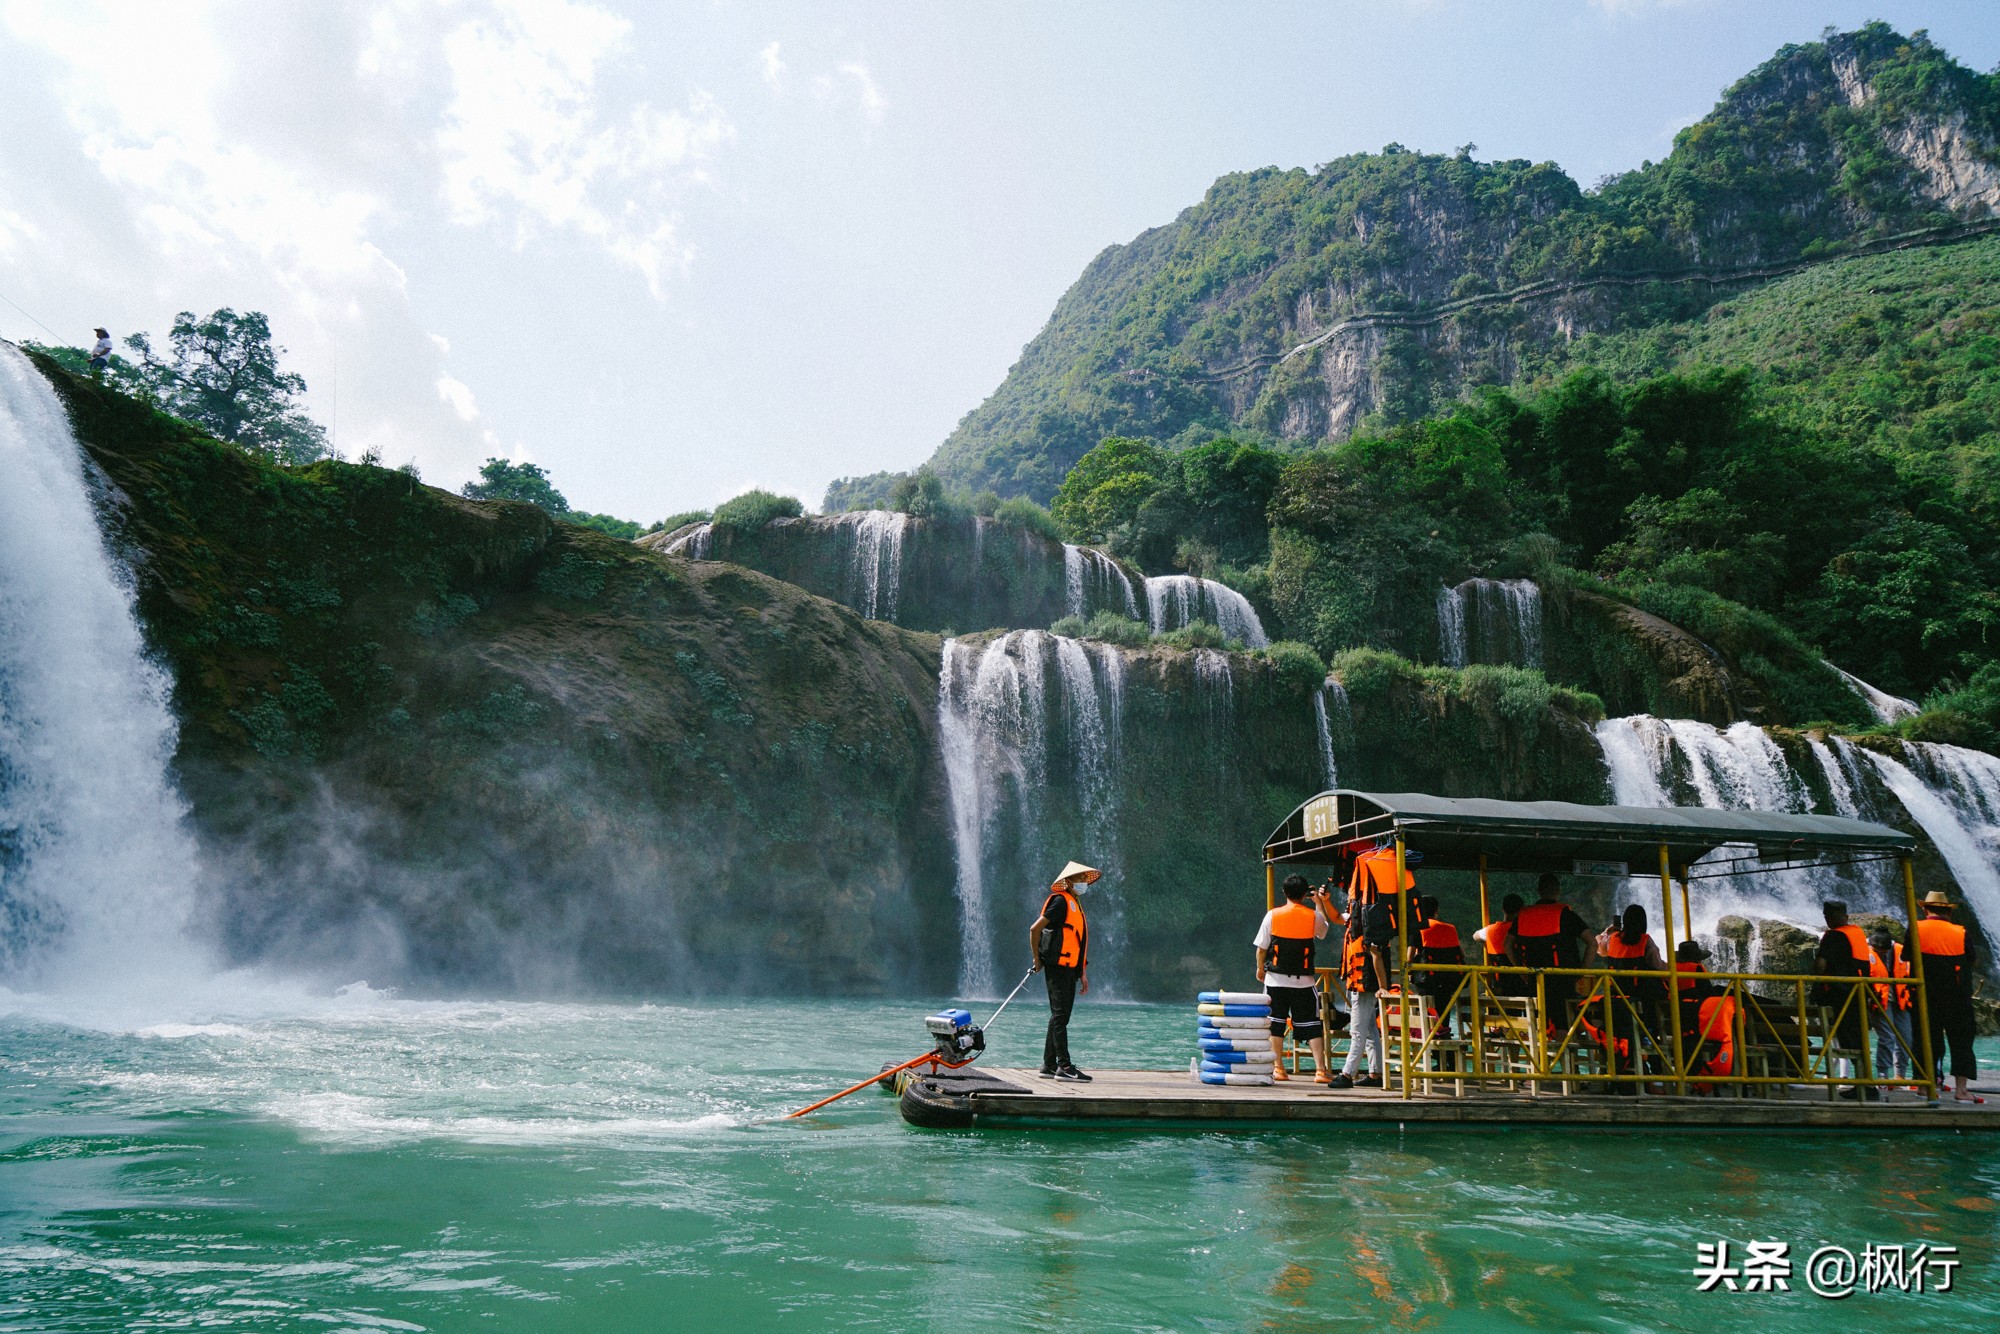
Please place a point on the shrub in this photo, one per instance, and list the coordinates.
(1195, 634)
(1021, 512)
(750, 511)
(673, 521)
(1111, 628)
(1069, 627)
(1296, 665)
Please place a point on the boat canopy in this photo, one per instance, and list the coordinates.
(1453, 833)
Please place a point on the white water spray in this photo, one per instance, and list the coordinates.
(1492, 621)
(1090, 579)
(1886, 707)
(695, 544)
(96, 871)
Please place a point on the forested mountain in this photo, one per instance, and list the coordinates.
(1231, 316)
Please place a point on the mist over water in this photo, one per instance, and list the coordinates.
(97, 872)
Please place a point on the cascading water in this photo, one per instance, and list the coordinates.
(1002, 746)
(1175, 600)
(1954, 796)
(695, 544)
(1676, 761)
(875, 572)
(96, 871)
(1886, 707)
(1090, 578)
(1330, 700)
(1490, 621)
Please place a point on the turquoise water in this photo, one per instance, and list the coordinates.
(362, 1162)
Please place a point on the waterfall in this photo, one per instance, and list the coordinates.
(1089, 579)
(1175, 600)
(96, 871)
(1490, 621)
(1886, 707)
(1679, 762)
(1332, 689)
(875, 573)
(1003, 745)
(695, 544)
(1956, 801)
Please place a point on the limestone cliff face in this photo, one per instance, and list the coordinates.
(1242, 311)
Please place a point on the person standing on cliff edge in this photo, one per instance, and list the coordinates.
(1060, 943)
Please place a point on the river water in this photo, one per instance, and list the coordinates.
(284, 1162)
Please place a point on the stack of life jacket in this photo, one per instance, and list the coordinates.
(1233, 1033)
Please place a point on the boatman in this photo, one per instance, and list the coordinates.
(1285, 943)
(1945, 958)
(1059, 942)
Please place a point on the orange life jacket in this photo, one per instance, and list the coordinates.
(1858, 946)
(1538, 929)
(1075, 945)
(1687, 966)
(1294, 928)
(1717, 1024)
(1942, 945)
(1496, 941)
(1616, 948)
(1354, 962)
(1892, 998)
(1375, 875)
(1440, 936)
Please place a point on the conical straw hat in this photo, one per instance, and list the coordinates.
(1078, 871)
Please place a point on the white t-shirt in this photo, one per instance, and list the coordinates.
(102, 348)
(1263, 942)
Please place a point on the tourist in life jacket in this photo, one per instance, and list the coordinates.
(1436, 943)
(1364, 964)
(1843, 952)
(1548, 933)
(1946, 956)
(1627, 945)
(1894, 1041)
(1691, 985)
(1286, 942)
(1059, 941)
(1493, 938)
(1715, 1036)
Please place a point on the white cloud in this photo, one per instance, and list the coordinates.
(772, 67)
(14, 229)
(524, 138)
(858, 83)
(458, 394)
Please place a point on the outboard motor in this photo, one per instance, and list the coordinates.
(958, 1039)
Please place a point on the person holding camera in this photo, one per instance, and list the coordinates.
(1286, 941)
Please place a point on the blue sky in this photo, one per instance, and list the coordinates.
(671, 251)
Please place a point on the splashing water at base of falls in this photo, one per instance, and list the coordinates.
(1490, 621)
(1175, 600)
(96, 871)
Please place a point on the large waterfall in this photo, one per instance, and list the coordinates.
(1175, 600)
(1490, 621)
(1950, 793)
(96, 871)
(1025, 716)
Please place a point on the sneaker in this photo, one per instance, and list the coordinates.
(1368, 1082)
(1069, 1074)
(1343, 1080)
(1047, 1073)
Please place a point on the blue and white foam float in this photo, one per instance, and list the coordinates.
(1232, 1036)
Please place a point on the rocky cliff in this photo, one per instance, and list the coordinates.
(1301, 304)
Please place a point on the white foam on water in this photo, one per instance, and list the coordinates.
(97, 872)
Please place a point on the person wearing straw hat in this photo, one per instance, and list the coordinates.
(1060, 943)
(1945, 956)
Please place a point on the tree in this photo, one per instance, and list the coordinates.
(222, 375)
(501, 480)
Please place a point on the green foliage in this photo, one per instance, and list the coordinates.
(1297, 666)
(1195, 634)
(221, 375)
(1967, 714)
(575, 576)
(1112, 628)
(673, 521)
(922, 495)
(752, 510)
(858, 493)
(501, 480)
(623, 529)
(1104, 490)
(1023, 513)
(1069, 627)
(1189, 509)
(1798, 681)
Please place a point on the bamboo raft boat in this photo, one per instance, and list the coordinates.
(1540, 1047)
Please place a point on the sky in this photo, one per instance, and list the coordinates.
(670, 252)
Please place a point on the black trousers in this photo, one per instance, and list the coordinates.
(1062, 999)
(1951, 1022)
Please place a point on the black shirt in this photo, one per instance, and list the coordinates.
(1835, 956)
(1378, 930)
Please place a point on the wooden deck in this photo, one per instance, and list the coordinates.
(1159, 1098)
